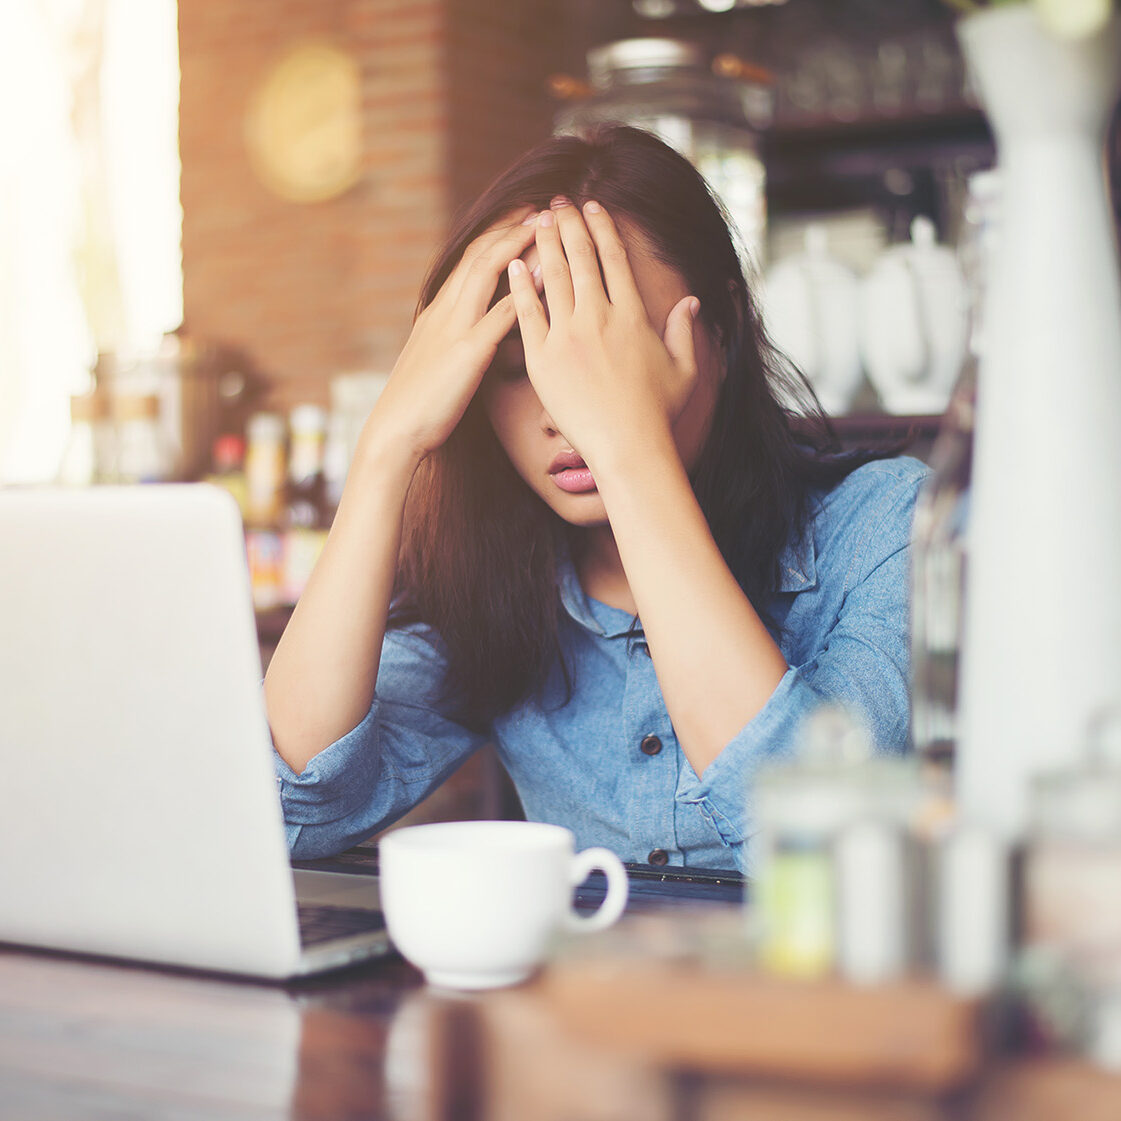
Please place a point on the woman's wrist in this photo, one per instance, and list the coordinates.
(637, 449)
(384, 451)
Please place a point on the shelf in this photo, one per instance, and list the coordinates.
(911, 129)
(885, 427)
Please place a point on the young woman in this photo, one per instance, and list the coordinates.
(609, 548)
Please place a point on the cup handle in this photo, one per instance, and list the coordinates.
(614, 902)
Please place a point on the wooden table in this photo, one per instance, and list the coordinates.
(86, 1039)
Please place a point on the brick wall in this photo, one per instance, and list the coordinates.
(452, 91)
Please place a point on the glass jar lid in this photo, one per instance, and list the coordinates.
(641, 60)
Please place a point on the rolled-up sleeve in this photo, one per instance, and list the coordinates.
(406, 745)
(863, 663)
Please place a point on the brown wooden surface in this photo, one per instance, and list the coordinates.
(84, 1039)
(910, 1034)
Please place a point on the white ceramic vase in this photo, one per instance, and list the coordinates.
(1042, 647)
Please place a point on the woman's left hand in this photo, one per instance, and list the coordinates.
(602, 371)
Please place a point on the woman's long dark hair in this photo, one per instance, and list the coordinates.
(479, 550)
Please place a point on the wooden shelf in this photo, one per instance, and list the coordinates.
(885, 427)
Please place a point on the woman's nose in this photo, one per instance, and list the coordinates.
(547, 425)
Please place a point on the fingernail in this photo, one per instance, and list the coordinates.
(592, 207)
(517, 266)
(536, 274)
(531, 220)
(558, 202)
(545, 218)
(694, 307)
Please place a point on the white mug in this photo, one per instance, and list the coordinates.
(475, 904)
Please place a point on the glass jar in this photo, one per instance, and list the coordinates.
(1073, 869)
(144, 453)
(831, 821)
(83, 458)
(669, 87)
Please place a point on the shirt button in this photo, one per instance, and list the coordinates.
(659, 857)
(651, 745)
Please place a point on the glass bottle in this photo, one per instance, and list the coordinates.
(228, 467)
(264, 478)
(306, 516)
(264, 469)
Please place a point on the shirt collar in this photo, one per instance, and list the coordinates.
(797, 573)
(797, 563)
(599, 618)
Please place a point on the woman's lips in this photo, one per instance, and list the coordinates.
(571, 474)
(575, 480)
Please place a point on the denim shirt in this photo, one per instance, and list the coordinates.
(842, 608)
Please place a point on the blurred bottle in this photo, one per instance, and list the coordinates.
(264, 479)
(228, 468)
(84, 456)
(307, 516)
(144, 454)
(264, 469)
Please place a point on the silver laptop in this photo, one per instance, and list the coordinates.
(140, 816)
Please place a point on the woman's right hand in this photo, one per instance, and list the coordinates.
(453, 342)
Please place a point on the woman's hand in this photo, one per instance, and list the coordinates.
(452, 343)
(607, 376)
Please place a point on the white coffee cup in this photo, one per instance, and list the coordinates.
(475, 904)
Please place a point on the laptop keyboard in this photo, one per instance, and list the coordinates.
(323, 922)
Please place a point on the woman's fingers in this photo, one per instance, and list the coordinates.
(554, 266)
(532, 321)
(580, 252)
(475, 277)
(617, 275)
